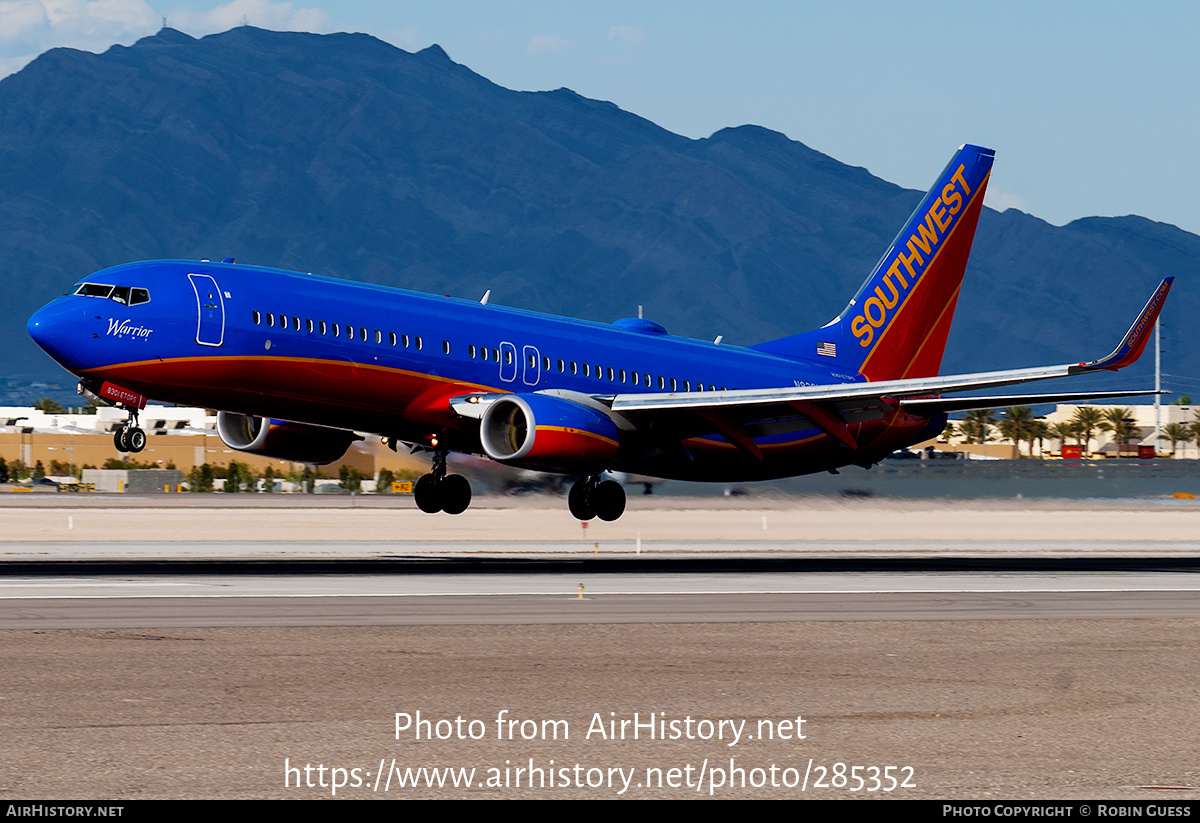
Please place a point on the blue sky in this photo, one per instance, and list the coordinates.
(1092, 107)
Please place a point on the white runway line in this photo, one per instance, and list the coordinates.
(318, 586)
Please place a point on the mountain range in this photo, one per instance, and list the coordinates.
(345, 156)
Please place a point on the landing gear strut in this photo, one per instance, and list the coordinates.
(592, 497)
(440, 492)
(129, 437)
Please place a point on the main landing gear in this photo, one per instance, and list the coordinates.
(129, 437)
(440, 492)
(592, 497)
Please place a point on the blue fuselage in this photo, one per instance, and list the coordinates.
(334, 353)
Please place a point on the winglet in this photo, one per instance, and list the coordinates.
(1134, 342)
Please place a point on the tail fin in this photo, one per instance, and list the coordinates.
(896, 325)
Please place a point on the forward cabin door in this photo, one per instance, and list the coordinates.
(508, 362)
(210, 309)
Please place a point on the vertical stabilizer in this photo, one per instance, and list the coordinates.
(896, 325)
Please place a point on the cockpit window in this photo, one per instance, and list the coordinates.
(125, 295)
(94, 290)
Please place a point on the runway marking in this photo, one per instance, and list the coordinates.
(572, 595)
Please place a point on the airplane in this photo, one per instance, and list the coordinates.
(300, 366)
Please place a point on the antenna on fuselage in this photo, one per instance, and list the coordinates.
(717, 342)
(639, 311)
(483, 300)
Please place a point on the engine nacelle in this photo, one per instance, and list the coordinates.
(281, 439)
(547, 433)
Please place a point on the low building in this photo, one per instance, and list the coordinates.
(1101, 444)
(133, 481)
(179, 439)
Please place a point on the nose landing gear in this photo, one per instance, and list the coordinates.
(592, 497)
(440, 492)
(129, 437)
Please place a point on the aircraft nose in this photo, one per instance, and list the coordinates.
(57, 329)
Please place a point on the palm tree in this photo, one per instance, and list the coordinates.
(1037, 432)
(1193, 428)
(978, 424)
(1064, 430)
(1015, 424)
(1176, 433)
(1116, 420)
(1088, 419)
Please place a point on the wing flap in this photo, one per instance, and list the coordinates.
(935, 405)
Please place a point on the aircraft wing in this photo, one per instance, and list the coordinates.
(921, 395)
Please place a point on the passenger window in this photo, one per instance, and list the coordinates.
(324, 328)
(309, 324)
(508, 358)
(635, 378)
(445, 347)
(392, 337)
(270, 319)
(378, 336)
(420, 345)
(336, 330)
(484, 352)
(574, 368)
(296, 323)
(257, 319)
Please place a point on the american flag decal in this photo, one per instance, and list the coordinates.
(827, 349)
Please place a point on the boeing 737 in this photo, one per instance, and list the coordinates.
(300, 366)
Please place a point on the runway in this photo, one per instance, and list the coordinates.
(987, 664)
(581, 596)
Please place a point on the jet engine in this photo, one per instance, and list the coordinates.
(282, 439)
(537, 431)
